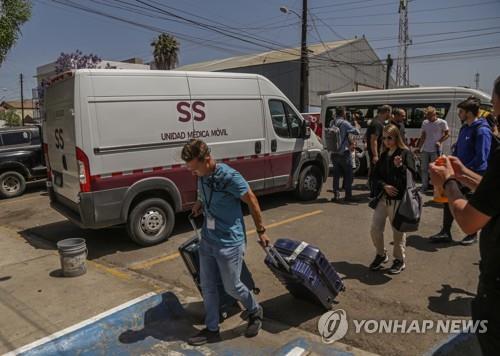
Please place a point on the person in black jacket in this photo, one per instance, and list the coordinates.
(390, 183)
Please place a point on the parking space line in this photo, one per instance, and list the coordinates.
(156, 260)
(110, 270)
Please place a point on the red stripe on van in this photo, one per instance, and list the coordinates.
(116, 174)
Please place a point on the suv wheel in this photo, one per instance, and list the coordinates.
(151, 222)
(12, 184)
(310, 183)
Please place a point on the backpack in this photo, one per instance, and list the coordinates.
(409, 211)
(333, 138)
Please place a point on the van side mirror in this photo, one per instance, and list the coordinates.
(306, 130)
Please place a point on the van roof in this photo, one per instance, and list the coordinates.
(400, 91)
(166, 73)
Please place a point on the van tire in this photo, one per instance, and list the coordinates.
(12, 184)
(310, 183)
(151, 222)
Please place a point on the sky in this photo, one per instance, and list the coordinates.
(443, 26)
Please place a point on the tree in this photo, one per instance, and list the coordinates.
(11, 118)
(165, 51)
(13, 13)
(76, 60)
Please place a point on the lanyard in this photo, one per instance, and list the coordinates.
(209, 201)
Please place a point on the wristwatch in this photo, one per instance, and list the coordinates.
(261, 231)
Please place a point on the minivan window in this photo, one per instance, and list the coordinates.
(415, 113)
(286, 122)
(15, 138)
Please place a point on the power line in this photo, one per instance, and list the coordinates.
(415, 11)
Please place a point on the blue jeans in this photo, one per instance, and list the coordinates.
(426, 158)
(342, 166)
(224, 263)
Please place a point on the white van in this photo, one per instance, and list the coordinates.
(412, 100)
(113, 140)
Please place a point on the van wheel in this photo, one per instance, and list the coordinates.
(310, 183)
(151, 222)
(12, 184)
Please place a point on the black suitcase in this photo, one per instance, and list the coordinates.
(304, 270)
(189, 252)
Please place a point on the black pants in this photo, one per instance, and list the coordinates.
(371, 182)
(486, 306)
(448, 216)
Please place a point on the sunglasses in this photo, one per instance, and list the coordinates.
(388, 138)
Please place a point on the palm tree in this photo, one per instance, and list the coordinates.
(165, 51)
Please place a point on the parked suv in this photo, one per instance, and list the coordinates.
(21, 159)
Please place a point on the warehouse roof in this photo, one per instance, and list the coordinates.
(282, 55)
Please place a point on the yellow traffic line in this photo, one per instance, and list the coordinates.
(156, 260)
(286, 221)
(110, 270)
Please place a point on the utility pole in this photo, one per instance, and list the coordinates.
(402, 68)
(22, 98)
(390, 62)
(477, 81)
(304, 63)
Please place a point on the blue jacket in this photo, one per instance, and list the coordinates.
(473, 145)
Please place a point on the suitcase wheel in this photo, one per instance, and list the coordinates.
(256, 290)
(223, 315)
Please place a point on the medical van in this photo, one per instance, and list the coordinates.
(113, 142)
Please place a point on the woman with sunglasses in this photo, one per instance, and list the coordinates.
(390, 183)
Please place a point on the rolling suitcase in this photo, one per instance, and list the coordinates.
(304, 270)
(189, 252)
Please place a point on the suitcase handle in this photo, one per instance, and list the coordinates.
(274, 255)
(193, 224)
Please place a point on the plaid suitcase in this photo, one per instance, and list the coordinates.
(304, 270)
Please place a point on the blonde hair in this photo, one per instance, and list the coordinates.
(394, 132)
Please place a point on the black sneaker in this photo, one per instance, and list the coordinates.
(378, 262)
(397, 267)
(469, 240)
(441, 237)
(351, 199)
(254, 323)
(203, 337)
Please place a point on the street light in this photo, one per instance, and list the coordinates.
(304, 60)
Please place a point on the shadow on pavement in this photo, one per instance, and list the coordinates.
(361, 273)
(101, 242)
(171, 321)
(168, 321)
(445, 305)
(289, 312)
(424, 244)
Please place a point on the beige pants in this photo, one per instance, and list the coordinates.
(386, 209)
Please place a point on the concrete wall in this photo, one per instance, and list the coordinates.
(328, 74)
(285, 75)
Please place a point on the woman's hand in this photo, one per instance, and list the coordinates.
(390, 190)
(398, 161)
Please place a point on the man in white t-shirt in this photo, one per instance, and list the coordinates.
(434, 132)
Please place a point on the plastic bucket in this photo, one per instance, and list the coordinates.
(73, 254)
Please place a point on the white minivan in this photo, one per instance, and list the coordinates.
(113, 141)
(412, 100)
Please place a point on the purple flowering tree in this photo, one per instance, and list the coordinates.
(76, 60)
